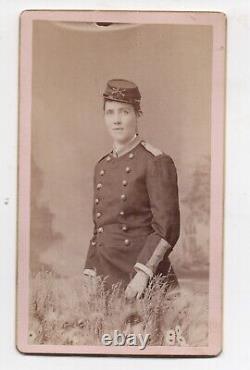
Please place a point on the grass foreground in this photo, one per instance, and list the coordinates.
(64, 311)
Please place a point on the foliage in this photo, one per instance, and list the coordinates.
(64, 311)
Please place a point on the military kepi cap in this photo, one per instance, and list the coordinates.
(123, 91)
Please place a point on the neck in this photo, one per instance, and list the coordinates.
(126, 147)
(118, 145)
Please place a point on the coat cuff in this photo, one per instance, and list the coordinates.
(161, 249)
(140, 267)
(89, 272)
(153, 252)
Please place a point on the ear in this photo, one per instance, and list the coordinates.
(138, 116)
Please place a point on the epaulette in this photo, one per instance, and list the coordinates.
(150, 148)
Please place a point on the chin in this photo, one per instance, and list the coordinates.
(119, 138)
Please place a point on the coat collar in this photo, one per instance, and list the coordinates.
(126, 148)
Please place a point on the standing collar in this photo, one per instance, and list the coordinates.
(126, 148)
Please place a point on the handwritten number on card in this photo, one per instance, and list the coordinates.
(174, 336)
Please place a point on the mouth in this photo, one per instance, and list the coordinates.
(117, 129)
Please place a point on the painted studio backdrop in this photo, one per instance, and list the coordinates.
(72, 62)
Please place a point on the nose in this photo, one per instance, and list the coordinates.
(117, 119)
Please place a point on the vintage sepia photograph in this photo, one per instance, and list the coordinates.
(121, 164)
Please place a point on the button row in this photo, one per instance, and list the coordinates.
(127, 169)
(99, 185)
(126, 242)
(101, 229)
(123, 196)
(98, 214)
(131, 156)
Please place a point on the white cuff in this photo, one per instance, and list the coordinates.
(140, 267)
(89, 272)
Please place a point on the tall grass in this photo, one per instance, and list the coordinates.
(65, 311)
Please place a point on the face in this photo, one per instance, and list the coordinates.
(121, 121)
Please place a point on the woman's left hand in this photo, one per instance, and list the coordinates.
(137, 285)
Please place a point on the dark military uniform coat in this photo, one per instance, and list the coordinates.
(136, 214)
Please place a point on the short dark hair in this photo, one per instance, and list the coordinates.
(137, 108)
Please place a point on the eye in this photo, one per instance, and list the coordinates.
(108, 111)
(125, 112)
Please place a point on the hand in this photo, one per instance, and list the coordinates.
(90, 283)
(137, 285)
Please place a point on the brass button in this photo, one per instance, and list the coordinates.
(124, 228)
(131, 155)
(98, 215)
(123, 197)
(108, 158)
(99, 186)
(121, 213)
(100, 229)
(97, 201)
(128, 169)
(124, 183)
(93, 242)
(102, 172)
(126, 241)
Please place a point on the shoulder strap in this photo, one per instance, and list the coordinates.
(150, 148)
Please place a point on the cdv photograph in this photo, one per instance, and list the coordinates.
(120, 197)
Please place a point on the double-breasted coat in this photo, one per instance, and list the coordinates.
(136, 214)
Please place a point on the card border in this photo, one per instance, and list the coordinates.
(218, 22)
